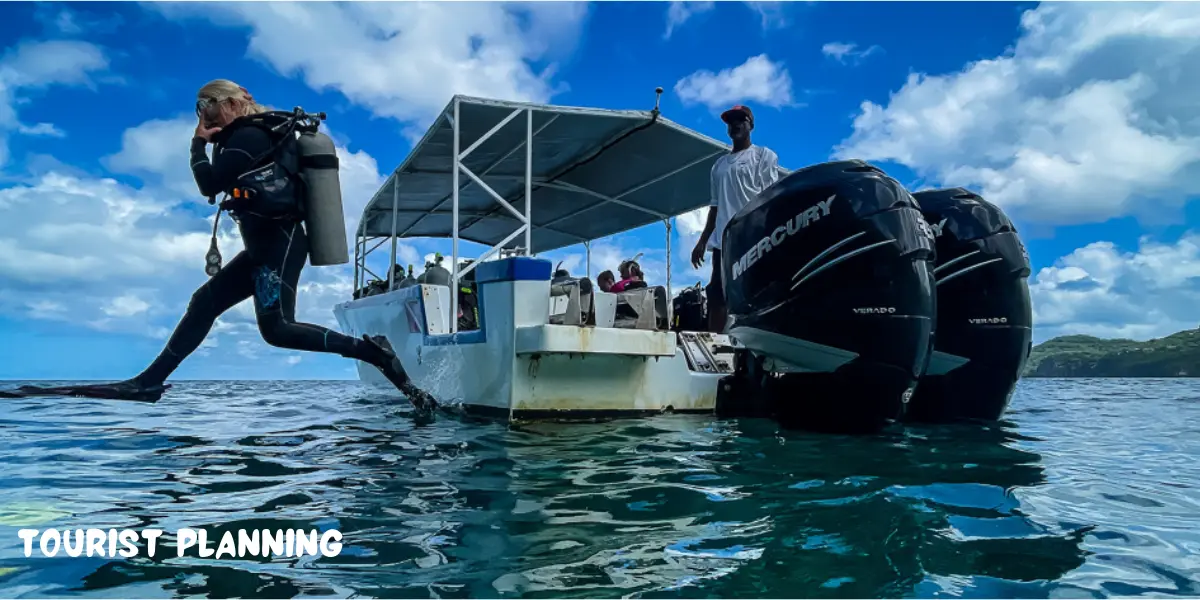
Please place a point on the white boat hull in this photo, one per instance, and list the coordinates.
(518, 365)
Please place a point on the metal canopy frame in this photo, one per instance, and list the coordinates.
(567, 175)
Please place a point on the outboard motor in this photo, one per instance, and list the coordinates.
(690, 310)
(985, 316)
(828, 276)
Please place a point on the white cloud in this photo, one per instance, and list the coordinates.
(1092, 115)
(35, 65)
(99, 254)
(96, 231)
(64, 21)
(42, 129)
(758, 80)
(45, 309)
(692, 223)
(405, 60)
(772, 15)
(847, 52)
(127, 305)
(248, 349)
(358, 173)
(39, 64)
(157, 151)
(1102, 291)
(679, 13)
(689, 226)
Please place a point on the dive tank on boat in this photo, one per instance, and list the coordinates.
(984, 313)
(408, 280)
(435, 273)
(828, 276)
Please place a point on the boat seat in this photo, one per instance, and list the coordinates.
(642, 308)
(571, 301)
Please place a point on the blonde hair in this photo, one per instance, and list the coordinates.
(220, 90)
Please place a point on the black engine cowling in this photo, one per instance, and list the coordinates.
(828, 276)
(985, 317)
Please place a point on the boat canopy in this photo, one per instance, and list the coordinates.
(489, 170)
(593, 173)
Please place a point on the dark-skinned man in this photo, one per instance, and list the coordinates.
(737, 178)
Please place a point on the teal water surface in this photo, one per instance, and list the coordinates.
(1090, 488)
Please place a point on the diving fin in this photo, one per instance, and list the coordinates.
(423, 401)
(130, 389)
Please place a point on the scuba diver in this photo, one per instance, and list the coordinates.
(257, 167)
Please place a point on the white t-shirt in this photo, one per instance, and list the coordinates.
(737, 178)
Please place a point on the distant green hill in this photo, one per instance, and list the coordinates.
(1177, 355)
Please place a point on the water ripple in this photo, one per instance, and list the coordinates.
(1088, 489)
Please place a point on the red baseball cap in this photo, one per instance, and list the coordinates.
(738, 108)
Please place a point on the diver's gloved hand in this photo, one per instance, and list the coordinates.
(391, 368)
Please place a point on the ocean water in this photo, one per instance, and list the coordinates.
(1090, 488)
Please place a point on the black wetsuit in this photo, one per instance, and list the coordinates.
(267, 270)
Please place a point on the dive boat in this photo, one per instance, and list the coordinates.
(852, 302)
(505, 336)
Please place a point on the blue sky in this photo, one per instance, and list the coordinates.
(1081, 120)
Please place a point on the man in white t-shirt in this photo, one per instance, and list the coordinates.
(737, 178)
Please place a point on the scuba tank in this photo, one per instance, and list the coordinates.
(435, 273)
(321, 197)
(408, 280)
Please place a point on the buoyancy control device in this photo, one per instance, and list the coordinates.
(689, 310)
(300, 179)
